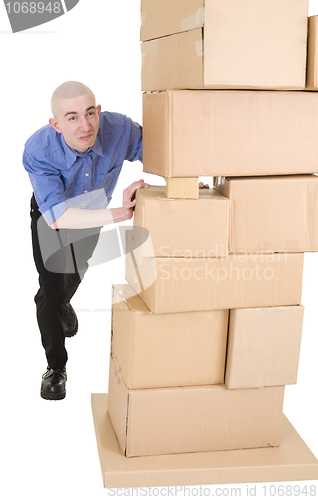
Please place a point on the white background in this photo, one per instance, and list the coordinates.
(49, 448)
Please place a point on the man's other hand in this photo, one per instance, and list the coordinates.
(128, 194)
(203, 186)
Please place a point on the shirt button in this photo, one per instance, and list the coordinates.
(83, 204)
(87, 175)
(85, 191)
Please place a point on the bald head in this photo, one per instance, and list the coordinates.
(68, 90)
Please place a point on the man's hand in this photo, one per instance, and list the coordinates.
(203, 186)
(128, 194)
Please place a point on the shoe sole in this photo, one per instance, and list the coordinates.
(52, 396)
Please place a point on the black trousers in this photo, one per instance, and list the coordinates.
(61, 261)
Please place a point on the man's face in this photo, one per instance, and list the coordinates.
(78, 120)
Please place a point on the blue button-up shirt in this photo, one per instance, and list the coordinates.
(62, 177)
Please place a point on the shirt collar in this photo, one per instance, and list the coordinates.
(97, 147)
(71, 154)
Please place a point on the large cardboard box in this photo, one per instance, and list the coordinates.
(223, 44)
(182, 227)
(263, 346)
(291, 461)
(273, 213)
(170, 284)
(166, 350)
(229, 133)
(312, 54)
(192, 419)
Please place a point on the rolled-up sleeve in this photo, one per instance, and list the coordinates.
(47, 186)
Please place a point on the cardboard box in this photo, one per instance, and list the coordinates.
(263, 346)
(183, 227)
(192, 419)
(229, 133)
(204, 284)
(291, 461)
(182, 187)
(247, 44)
(166, 350)
(276, 214)
(312, 54)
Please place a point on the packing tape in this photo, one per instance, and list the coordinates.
(148, 48)
(196, 20)
(218, 181)
(118, 371)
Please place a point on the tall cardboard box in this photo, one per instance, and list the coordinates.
(229, 133)
(263, 346)
(193, 419)
(273, 213)
(213, 44)
(166, 350)
(182, 227)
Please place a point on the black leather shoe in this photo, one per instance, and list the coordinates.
(70, 323)
(53, 384)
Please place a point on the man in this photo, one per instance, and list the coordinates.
(73, 164)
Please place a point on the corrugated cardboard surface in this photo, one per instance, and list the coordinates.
(263, 346)
(291, 461)
(272, 213)
(247, 44)
(166, 350)
(191, 419)
(203, 284)
(229, 133)
(183, 227)
(312, 55)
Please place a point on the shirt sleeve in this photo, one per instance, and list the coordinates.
(134, 149)
(47, 186)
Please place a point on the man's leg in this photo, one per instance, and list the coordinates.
(49, 300)
(81, 250)
(55, 292)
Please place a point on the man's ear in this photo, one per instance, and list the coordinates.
(54, 124)
(98, 108)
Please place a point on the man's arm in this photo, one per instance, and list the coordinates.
(77, 218)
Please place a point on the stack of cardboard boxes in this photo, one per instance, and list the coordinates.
(207, 333)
